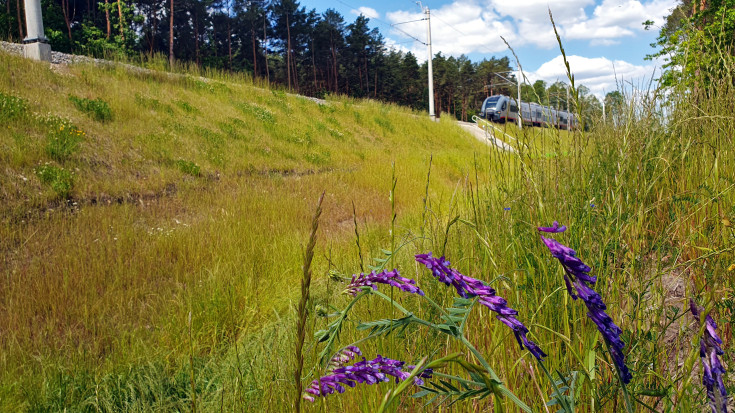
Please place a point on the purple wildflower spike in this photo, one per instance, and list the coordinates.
(472, 287)
(365, 371)
(343, 357)
(386, 277)
(555, 228)
(712, 369)
(576, 273)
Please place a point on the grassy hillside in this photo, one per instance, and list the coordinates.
(175, 194)
(154, 224)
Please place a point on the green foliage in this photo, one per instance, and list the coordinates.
(698, 47)
(186, 106)
(63, 139)
(11, 107)
(260, 113)
(96, 109)
(188, 167)
(59, 179)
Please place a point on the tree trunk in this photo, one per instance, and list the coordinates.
(154, 21)
(255, 52)
(265, 51)
(375, 89)
(171, 36)
(214, 38)
(288, 52)
(121, 20)
(313, 65)
(295, 72)
(65, 12)
(334, 62)
(229, 41)
(107, 19)
(367, 79)
(20, 20)
(196, 37)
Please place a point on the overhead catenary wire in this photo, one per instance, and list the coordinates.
(392, 26)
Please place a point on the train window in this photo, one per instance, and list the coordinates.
(513, 107)
(504, 106)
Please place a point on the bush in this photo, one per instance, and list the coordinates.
(97, 109)
(11, 107)
(63, 140)
(188, 167)
(59, 179)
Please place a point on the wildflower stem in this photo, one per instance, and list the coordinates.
(435, 305)
(395, 304)
(481, 359)
(626, 396)
(559, 396)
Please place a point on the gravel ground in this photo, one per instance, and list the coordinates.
(56, 57)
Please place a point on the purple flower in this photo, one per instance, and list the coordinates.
(576, 273)
(365, 371)
(344, 356)
(555, 228)
(471, 287)
(712, 369)
(386, 277)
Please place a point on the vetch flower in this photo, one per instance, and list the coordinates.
(576, 273)
(343, 357)
(555, 228)
(385, 277)
(365, 371)
(471, 287)
(712, 369)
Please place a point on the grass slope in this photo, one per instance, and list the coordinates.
(161, 195)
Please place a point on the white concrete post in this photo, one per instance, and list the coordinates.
(36, 44)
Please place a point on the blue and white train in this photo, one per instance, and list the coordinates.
(500, 108)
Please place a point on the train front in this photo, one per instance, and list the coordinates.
(491, 108)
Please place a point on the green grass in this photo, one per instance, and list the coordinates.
(197, 198)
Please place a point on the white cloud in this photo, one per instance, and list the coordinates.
(457, 28)
(600, 74)
(368, 12)
(614, 19)
(467, 26)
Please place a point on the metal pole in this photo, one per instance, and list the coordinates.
(432, 115)
(520, 122)
(36, 44)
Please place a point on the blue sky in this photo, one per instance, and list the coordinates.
(604, 39)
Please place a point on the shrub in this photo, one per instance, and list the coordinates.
(262, 114)
(188, 167)
(59, 179)
(11, 107)
(63, 140)
(186, 107)
(97, 109)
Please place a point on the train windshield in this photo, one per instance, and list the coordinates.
(491, 102)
